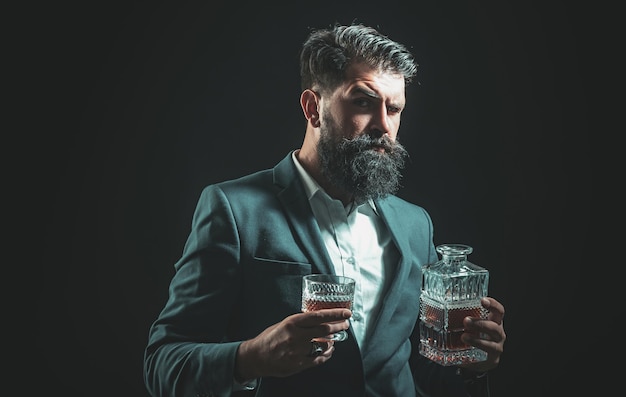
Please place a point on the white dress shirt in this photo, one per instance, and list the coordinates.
(359, 245)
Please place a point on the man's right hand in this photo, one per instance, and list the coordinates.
(283, 349)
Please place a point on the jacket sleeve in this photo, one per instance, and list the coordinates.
(187, 354)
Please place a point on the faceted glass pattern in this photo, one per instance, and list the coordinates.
(451, 290)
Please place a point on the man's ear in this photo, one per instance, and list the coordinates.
(309, 101)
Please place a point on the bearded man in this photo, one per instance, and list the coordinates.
(232, 324)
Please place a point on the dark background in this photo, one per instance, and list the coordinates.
(132, 108)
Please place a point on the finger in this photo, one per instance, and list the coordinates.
(320, 347)
(316, 348)
(492, 348)
(320, 351)
(477, 330)
(315, 318)
(327, 332)
(326, 354)
(495, 308)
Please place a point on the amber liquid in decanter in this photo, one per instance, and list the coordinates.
(451, 290)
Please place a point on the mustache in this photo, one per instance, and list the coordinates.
(366, 142)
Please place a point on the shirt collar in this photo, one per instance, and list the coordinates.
(311, 187)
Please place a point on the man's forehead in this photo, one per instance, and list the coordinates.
(373, 82)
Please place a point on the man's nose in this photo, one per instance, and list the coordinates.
(376, 133)
(381, 124)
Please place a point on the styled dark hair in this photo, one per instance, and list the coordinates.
(327, 53)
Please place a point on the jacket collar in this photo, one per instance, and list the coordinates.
(293, 197)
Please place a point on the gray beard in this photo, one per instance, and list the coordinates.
(353, 166)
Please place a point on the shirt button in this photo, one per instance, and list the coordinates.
(351, 260)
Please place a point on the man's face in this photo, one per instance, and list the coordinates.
(358, 147)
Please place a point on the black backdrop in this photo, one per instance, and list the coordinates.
(136, 106)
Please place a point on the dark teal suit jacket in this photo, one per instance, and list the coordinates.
(252, 239)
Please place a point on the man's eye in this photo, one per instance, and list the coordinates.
(362, 102)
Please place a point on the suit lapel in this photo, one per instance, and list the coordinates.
(398, 274)
(298, 210)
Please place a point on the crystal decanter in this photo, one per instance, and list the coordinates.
(451, 290)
